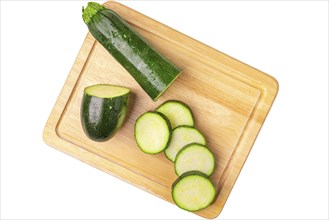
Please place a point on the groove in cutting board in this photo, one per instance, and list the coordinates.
(229, 99)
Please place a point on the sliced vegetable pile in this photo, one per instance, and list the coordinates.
(150, 69)
(170, 129)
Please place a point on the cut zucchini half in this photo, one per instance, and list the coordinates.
(152, 132)
(103, 110)
(181, 136)
(195, 157)
(177, 112)
(193, 191)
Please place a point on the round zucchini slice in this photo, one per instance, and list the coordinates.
(195, 157)
(103, 110)
(181, 136)
(152, 132)
(177, 112)
(193, 191)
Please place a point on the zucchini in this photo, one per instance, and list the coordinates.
(181, 136)
(195, 157)
(193, 191)
(149, 68)
(152, 132)
(177, 112)
(103, 110)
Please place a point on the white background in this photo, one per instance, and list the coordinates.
(286, 174)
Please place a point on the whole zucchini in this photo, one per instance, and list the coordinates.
(150, 69)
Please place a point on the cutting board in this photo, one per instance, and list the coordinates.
(229, 99)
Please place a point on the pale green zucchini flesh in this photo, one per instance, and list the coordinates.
(177, 112)
(193, 191)
(152, 132)
(195, 157)
(181, 136)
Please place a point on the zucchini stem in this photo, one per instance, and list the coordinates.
(91, 9)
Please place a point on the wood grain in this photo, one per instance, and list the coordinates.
(229, 99)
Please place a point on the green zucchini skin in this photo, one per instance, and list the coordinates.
(102, 117)
(148, 67)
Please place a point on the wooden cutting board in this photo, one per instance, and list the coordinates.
(229, 99)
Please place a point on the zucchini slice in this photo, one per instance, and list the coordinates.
(150, 68)
(195, 157)
(152, 132)
(193, 191)
(103, 110)
(177, 112)
(181, 136)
